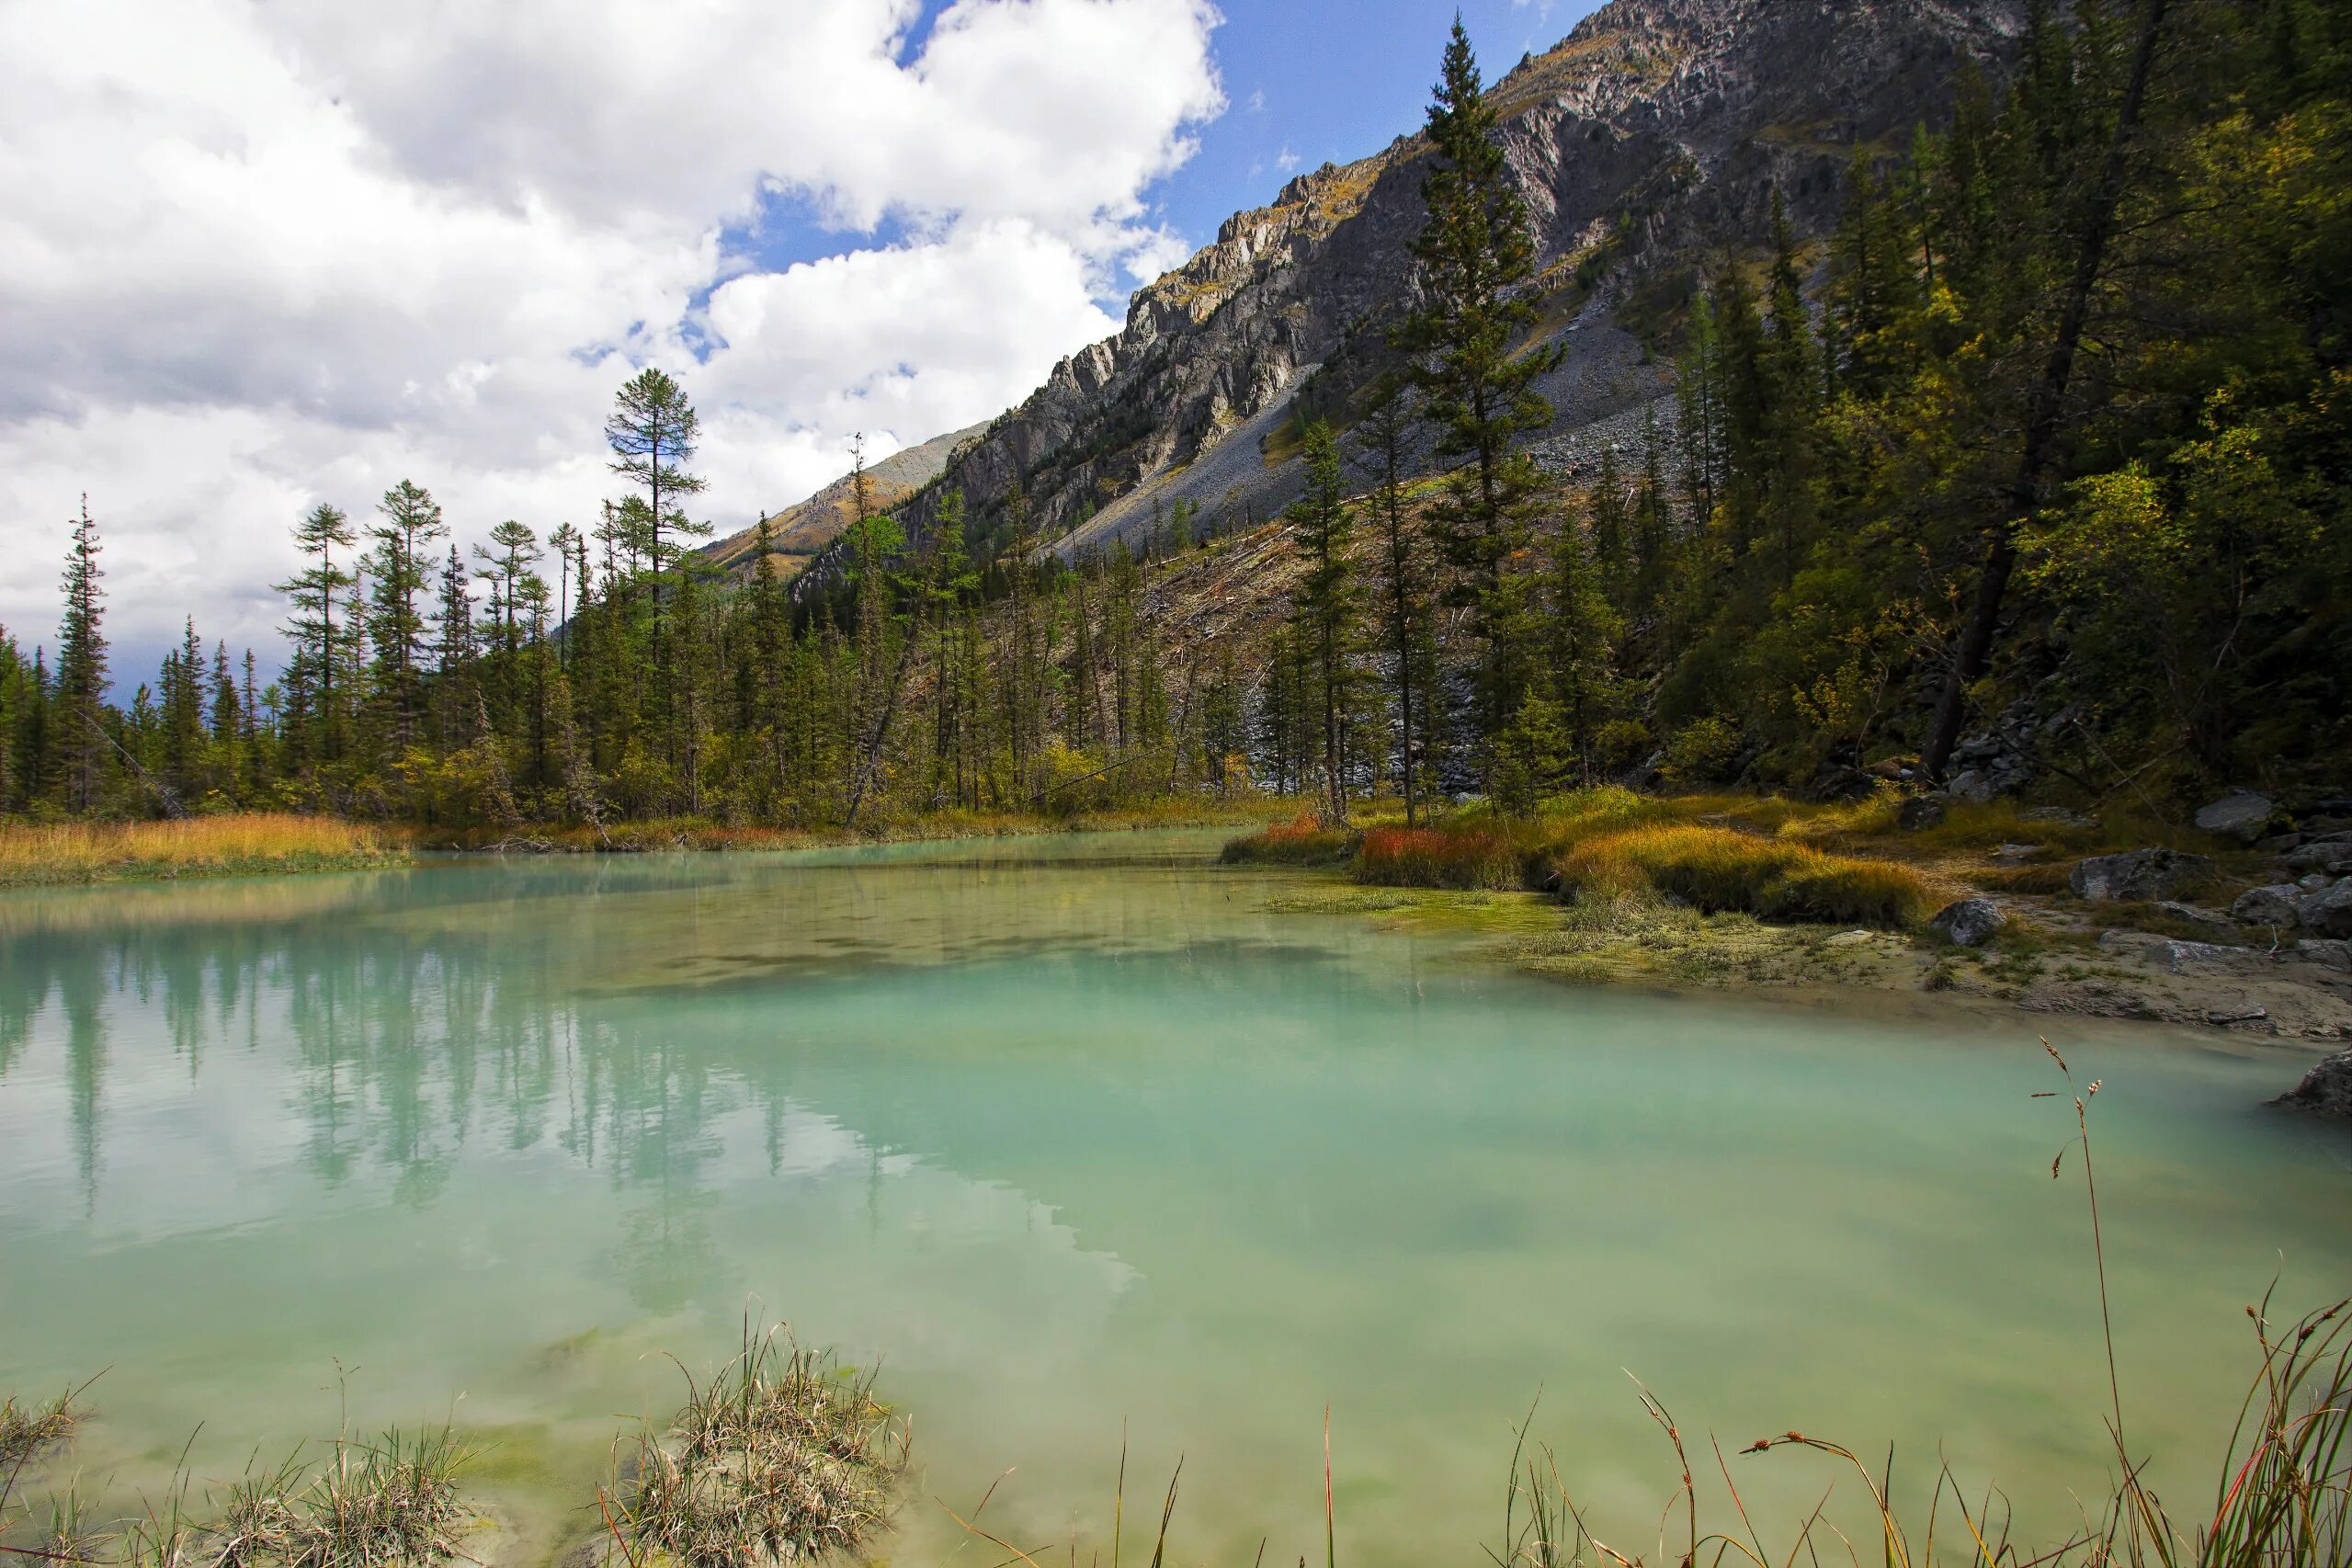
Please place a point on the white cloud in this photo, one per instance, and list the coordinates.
(255, 256)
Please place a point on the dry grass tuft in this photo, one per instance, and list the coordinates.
(392, 1501)
(1718, 868)
(1477, 857)
(27, 1429)
(61, 853)
(783, 1457)
(1301, 841)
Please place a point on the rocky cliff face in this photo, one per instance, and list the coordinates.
(1652, 140)
(800, 533)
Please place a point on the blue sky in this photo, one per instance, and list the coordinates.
(1306, 82)
(557, 232)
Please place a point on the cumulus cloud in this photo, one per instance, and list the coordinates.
(254, 256)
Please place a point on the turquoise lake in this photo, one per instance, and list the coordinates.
(1078, 1137)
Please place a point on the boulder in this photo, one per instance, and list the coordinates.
(1972, 786)
(2138, 876)
(2326, 1089)
(2334, 955)
(2273, 905)
(2213, 922)
(2240, 815)
(2329, 911)
(2331, 856)
(1971, 923)
(2017, 852)
(1920, 812)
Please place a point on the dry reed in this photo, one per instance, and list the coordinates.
(60, 853)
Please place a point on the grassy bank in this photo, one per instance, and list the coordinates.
(62, 854)
(67, 854)
(1821, 901)
(1712, 852)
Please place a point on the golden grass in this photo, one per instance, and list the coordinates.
(53, 854)
(1721, 868)
(1301, 841)
(1476, 856)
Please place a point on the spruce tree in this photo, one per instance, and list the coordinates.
(1325, 609)
(1475, 301)
(78, 704)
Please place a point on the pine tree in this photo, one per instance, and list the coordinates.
(314, 731)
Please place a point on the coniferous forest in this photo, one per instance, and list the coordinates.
(2054, 430)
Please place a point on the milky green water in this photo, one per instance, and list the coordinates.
(1077, 1135)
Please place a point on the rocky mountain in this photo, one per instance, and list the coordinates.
(799, 533)
(1648, 143)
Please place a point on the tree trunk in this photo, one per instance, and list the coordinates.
(1975, 650)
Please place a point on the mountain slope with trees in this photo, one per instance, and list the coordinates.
(2013, 457)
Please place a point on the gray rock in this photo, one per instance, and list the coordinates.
(2212, 921)
(2240, 815)
(2334, 954)
(2329, 911)
(2331, 857)
(2326, 1089)
(2182, 957)
(2273, 905)
(2016, 852)
(2221, 1018)
(1920, 812)
(2313, 882)
(2138, 875)
(1971, 923)
(2279, 843)
(1974, 787)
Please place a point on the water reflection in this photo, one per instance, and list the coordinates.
(1070, 1143)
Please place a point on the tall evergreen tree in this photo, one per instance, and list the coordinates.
(1476, 301)
(1326, 609)
(78, 703)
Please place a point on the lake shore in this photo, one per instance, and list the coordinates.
(2052, 953)
(272, 843)
(1825, 903)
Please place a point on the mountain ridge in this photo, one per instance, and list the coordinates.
(1649, 142)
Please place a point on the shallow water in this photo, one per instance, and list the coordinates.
(1076, 1135)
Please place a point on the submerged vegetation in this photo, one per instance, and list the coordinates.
(783, 1457)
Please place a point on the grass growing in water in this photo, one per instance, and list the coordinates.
(782, 1458)
(1301, 841)
(63, 853)
(27, 1429)
(392, 1501)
